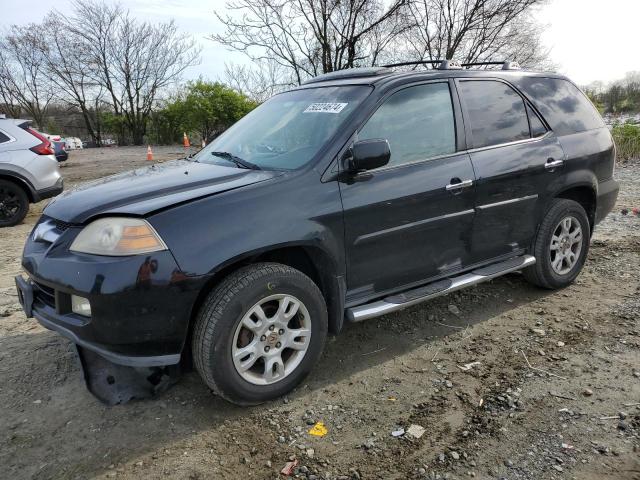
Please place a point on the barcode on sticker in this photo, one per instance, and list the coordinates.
(325, 107)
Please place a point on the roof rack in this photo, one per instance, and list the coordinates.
(350, 73)
(442, 64)
(506, 65)
(453, 65)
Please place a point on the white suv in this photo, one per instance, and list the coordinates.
(29, 171)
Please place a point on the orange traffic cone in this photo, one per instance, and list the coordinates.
(149, 153)
(185, 140)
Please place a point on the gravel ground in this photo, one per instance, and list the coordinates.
(507, 381)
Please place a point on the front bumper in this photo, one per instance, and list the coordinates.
(140, 305)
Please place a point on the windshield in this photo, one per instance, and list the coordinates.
(285, 132)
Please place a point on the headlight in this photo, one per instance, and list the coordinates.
(118, 236)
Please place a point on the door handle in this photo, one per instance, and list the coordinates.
(457, 184)
(551, 163)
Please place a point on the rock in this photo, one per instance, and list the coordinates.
(310, 452)
(561, 344)
(281, 439)
(622, 425)
(397, 433)
(622, 415)
(442, 457)
(415, 431)
(268, 464)
(453, 309)
(422, 471)
(508, 463)
(448, 384)
(587, 392)
(538, 331)
(454, 455)
(557, 467)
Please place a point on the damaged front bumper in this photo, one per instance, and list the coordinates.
(112, 377)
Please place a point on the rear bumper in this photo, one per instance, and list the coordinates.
(607, 196)
(49, 191)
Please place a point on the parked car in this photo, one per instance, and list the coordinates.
(28, 170)
(59, 151)
(357, 194)
(73, 143)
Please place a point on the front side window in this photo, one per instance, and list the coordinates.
(417, 121)
(288, 130)
(496, 112)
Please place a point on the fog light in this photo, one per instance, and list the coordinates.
(80, 305)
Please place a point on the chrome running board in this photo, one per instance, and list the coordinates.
(436, 289)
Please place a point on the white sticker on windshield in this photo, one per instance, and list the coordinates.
(325, 107)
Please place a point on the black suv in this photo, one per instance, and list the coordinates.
(359, 193)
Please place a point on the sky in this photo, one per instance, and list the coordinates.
(590, 40)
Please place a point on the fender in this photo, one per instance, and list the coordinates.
(14, 173)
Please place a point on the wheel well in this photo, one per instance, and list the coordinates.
(20, 183)
(309, 260)
(586, 197)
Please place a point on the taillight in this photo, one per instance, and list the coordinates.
(45, 147)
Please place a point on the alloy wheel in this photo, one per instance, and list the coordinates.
(566, 245)
(271, 339)
(9, 204)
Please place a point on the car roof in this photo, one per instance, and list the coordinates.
(14, 121)
(379, 76)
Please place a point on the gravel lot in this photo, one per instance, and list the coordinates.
(555, 393)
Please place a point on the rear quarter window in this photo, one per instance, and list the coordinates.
(4, 138)
(562, 104)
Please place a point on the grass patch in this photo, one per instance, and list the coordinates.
(627, 138)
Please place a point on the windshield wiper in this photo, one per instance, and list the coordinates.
(237, 160)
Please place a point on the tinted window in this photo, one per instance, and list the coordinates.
(497, 113)
(3, 138)
(537, 127)
(417, 121)
(562, 104)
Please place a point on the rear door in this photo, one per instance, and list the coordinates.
(515, 158)
(410, 220)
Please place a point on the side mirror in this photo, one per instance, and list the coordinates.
(367, 155)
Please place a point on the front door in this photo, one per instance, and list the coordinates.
(410, 220)
(516, 161)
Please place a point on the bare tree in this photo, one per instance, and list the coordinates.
(126, 64)
(259, 81)
(66, 64)
(23, 79)
(474, 30)
(310, 37)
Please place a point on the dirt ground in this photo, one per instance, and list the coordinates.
(555, 395)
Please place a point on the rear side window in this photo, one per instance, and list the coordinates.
(496, 112)
(417, 121)
(537, 127)
(562, 104)
(4, 138)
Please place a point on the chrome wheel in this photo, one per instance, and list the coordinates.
(271, 339)
(566, 245)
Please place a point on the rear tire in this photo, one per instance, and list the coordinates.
(238, 316)
(560, 246)
(14, 204)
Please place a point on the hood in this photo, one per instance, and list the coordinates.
(142, 191)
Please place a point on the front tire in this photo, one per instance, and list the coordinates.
(561, 245)
(259, 333)
(14, 204)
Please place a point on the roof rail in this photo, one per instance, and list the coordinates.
(442, 64)
(350, 73)
(506, 65)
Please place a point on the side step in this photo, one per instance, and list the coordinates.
(437, 289)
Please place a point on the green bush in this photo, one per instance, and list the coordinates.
(627, 138)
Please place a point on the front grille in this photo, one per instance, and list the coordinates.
(46, 295)
(60, 225)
